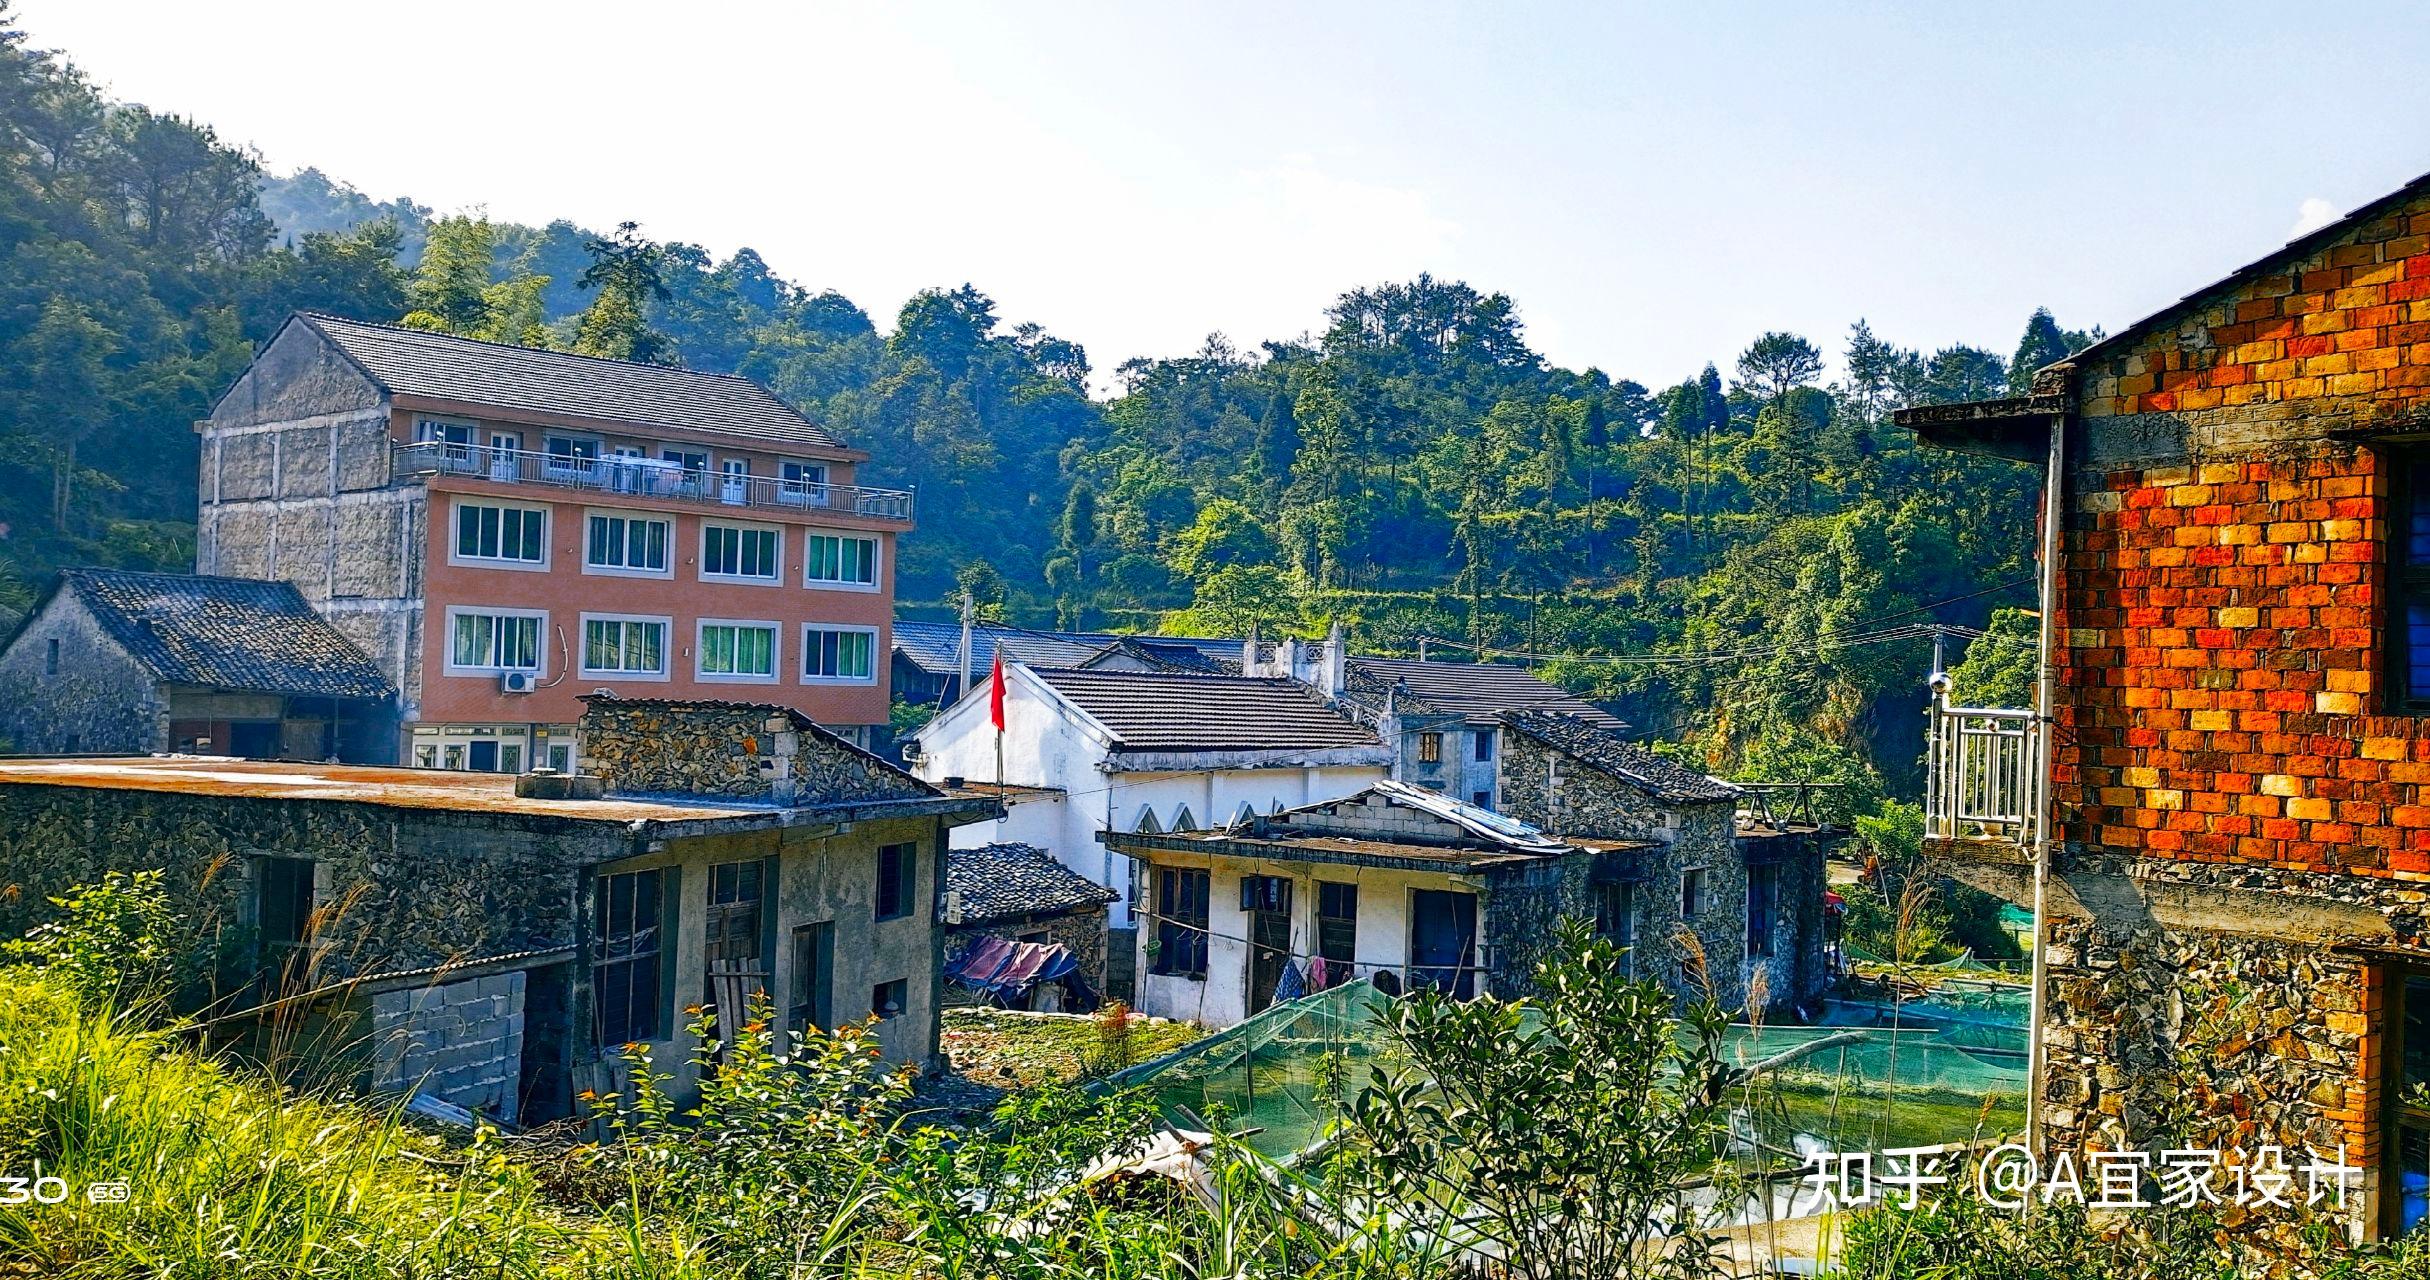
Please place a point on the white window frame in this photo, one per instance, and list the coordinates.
(548, 535)
(701, 552)
(877, 562)
(448, 640)
(877, 654)
(666, 641)
(776, 651)
(626, 514)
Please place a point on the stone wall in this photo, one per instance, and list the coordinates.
(458, 1041)
(400, 888)
(101, 700)
(734, 750)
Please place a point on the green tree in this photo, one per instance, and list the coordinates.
(627, 274)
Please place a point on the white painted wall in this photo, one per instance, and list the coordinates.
(1222, 998)
(1046, 745)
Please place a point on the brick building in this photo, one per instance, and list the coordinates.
(2235, 840)
(505, 529)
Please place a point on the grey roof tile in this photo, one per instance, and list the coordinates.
(1478, 691)
(1001, 881)
(1175, 711)
(228, 633)
(1594, 745)
(936, 647)
(443, 366)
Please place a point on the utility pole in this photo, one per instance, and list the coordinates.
(962, 690)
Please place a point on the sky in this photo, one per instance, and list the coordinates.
(1654, 185)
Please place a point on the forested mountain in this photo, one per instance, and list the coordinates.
(1413, 469)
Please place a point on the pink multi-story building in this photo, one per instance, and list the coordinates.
(505, 529)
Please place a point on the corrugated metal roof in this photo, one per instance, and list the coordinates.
(1475, 690)
(1174, 711)
(227, 633)
(445, 367)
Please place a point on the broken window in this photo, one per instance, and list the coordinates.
(890, 999)
(730, 928)
(898, 880)
(1691, 893)
(813, 1002)
(627, 927)
(1337, 929)
(1763, 895)
(282, 907)
(1181, 923)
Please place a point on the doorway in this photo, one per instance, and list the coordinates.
(1267, 902)
(1442, 941)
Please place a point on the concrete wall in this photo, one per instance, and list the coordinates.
(295, 485)
(458, 1041)
(1458, 774)
(822, 874)
(100, 700)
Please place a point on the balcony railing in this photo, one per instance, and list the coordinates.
(1983, 768)
(646, 478)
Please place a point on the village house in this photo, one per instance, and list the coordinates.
(2227, 825)
(1049, 919)
(504, 530)
(1748, 890)
(927, 656)
(1143, 751)
(115, 662)
(494, 942)
(1394, 883)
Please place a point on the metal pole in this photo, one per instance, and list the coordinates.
(2054, 507)
(962, 690)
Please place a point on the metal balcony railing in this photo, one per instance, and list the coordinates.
(1982, 771)
(645, 477)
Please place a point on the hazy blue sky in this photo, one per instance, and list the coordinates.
(1653, 185)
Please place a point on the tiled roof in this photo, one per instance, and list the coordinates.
(229, 633)
(1478, 691)
(1626, 761)
(1164, 655)
(445, 367)
(1171, 711)
(936, 647)
(1000, 881)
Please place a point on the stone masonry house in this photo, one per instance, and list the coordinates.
(505, 529)
(494, 941)
(1394, 883)
(2228, 828)
(116, 662)
(1750, 893)
(1022, 893)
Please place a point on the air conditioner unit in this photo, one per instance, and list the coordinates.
(515, 682)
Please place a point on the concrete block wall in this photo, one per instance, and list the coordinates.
(461, 1042)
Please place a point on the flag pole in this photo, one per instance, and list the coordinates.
(995, 712)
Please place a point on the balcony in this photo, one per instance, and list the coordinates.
(645, 478)
(1982, 772)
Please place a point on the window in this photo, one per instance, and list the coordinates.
(1616, 914)
(568, 455)
(839, 654)
(486, 641)
(2409, 576)
(1481, 799)
(898, 880)
(1183, 820)
(50, 657)
(1484, 744)
(1763, 892)
(498, 533)
(835, 560)
(1181, 923)
(1337, 929)
(455, 437)
(736, 650)
(730, 927)
(890, 999)
(282, 904)
(684, 458)
(813, 1003)
(1691, 893)
(426, 755)
(626, 544)
(739, 552)
(1146, 821)
(615, 646)
(801, 482)
(627, 921)
(1430, 748)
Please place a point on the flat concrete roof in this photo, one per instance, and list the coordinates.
(395, 788)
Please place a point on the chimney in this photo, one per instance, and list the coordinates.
(1248, 653)
(1335, 671)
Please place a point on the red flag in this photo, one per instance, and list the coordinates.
(995, 695)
